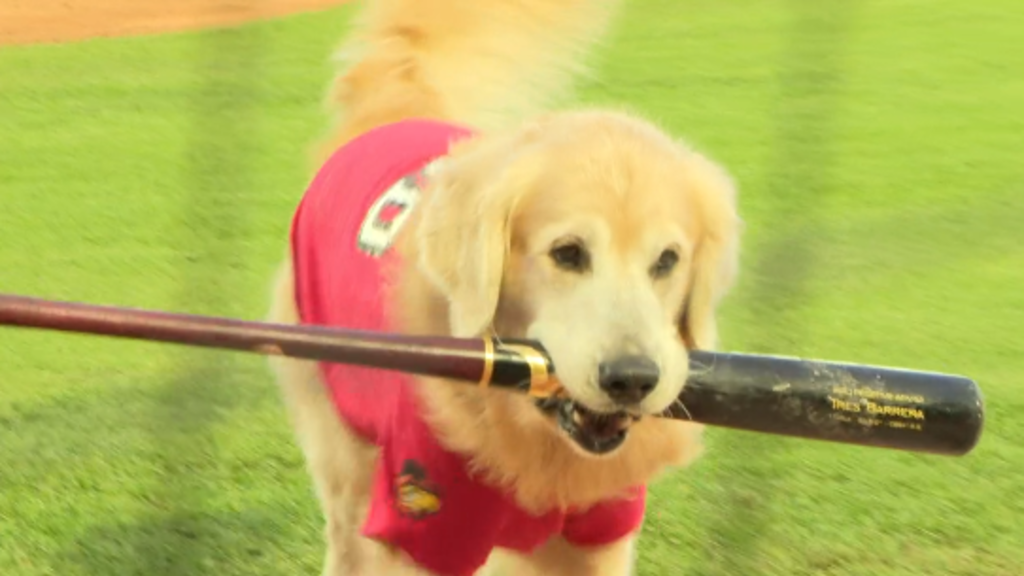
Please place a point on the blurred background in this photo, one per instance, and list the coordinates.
(879, 149)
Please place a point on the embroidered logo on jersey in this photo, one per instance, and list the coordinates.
(389, 213)
(415, 496)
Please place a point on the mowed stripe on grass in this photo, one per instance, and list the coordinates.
(876, 144)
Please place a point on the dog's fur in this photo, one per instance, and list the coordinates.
(475, 258)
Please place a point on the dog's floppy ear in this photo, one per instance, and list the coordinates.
(716, 255)
(465, 230)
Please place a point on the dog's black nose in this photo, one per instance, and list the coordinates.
(628, 379)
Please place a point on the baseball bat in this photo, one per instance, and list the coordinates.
(832, 401)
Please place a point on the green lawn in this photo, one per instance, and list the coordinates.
(879, 148)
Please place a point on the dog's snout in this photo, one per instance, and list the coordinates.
(628, 379)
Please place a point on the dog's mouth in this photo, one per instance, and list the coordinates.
(595, 432)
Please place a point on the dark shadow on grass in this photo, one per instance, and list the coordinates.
(747, 466)
(69, 428)
(221, 544)
(211, 241)
(88, 446)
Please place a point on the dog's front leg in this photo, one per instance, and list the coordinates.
(560, 558)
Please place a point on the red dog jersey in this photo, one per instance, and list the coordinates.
(424, 501)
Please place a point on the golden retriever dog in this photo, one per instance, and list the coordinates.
(454, 199)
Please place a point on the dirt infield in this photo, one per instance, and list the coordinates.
(36, 21)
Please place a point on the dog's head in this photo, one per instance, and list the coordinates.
(601, 237)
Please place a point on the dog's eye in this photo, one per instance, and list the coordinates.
(666, 262)
(571, 257)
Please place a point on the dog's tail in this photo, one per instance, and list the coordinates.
(483, 63)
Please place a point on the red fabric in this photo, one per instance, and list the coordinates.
(339, 284)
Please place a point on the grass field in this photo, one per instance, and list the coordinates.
(878, 144)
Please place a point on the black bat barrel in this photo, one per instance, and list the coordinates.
(848, 403)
